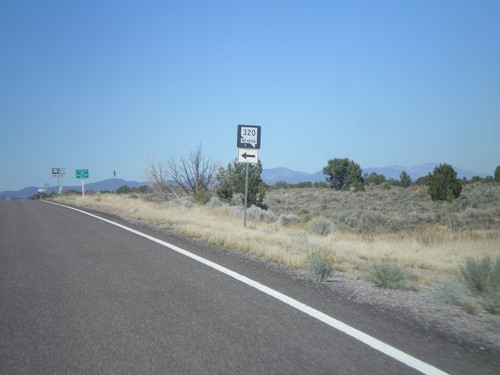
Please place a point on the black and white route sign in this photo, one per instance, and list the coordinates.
(248, 143)
(248, 155)
(248, 137)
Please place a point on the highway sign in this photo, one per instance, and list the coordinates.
(248, 137)
(248, 155)
(82, 173)
(58, 172)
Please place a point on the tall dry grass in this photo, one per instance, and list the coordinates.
(431, 251)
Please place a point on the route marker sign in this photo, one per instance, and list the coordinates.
(58, 172)
(247, 155)
(248, 144)
(248, 137)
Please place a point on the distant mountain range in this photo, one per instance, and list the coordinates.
(106, 185)
(269, 176)
(273, 175)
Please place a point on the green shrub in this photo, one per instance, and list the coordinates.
(444, 184)
(479, 275)
(405, 179)
(386, 186)
(320, 226)
(447, 293)
(319, 266)
(123, 190)
(482, 277)
(495, 276)
(202, 196)
(491, 302)
(388, 275)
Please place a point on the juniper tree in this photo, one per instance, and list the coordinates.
(343, 174)
(444, 184)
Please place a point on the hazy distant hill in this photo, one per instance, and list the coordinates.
(282, 174)
(106, 185)
(19, 194)
(418, 171)
(273, 175)
(111, 185)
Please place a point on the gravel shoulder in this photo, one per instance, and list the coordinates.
(481, 329)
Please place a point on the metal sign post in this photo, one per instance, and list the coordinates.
(58, 172)
(248, 144)
(246, 196)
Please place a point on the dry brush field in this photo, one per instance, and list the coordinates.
(430, 239)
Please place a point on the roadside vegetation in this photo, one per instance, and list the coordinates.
(396, 235)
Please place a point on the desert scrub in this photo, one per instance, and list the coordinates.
(300, 240)
(388, 275)
(320, 266)
(288, 219)
(320, 226)
(257, 213)
(491, 302)
(446, 292)
(482, 277)
(215, 202)
(386, 211)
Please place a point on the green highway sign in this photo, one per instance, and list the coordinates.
(82, 173)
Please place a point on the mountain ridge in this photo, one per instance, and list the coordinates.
(283, 174)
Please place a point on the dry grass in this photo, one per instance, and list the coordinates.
(431, 250)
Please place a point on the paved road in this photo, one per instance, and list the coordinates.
(78, 295)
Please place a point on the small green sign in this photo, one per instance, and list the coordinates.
(82, 173)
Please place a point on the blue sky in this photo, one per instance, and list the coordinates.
(103, 84)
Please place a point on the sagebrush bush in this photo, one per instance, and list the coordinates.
(300, 240)
(319, 266)
(288, 219)
(446, 293)
(203, 196)
(320, 226)
(184, 203)
(397, 209)
(215, 202)
(388, 275)
(491, 302)
(257, 213)
(480, 275)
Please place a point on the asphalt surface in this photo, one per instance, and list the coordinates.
(78, 295)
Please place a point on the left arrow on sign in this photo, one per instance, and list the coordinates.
(248, 156)
(245, 155)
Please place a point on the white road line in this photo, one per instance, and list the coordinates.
(397, 354)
